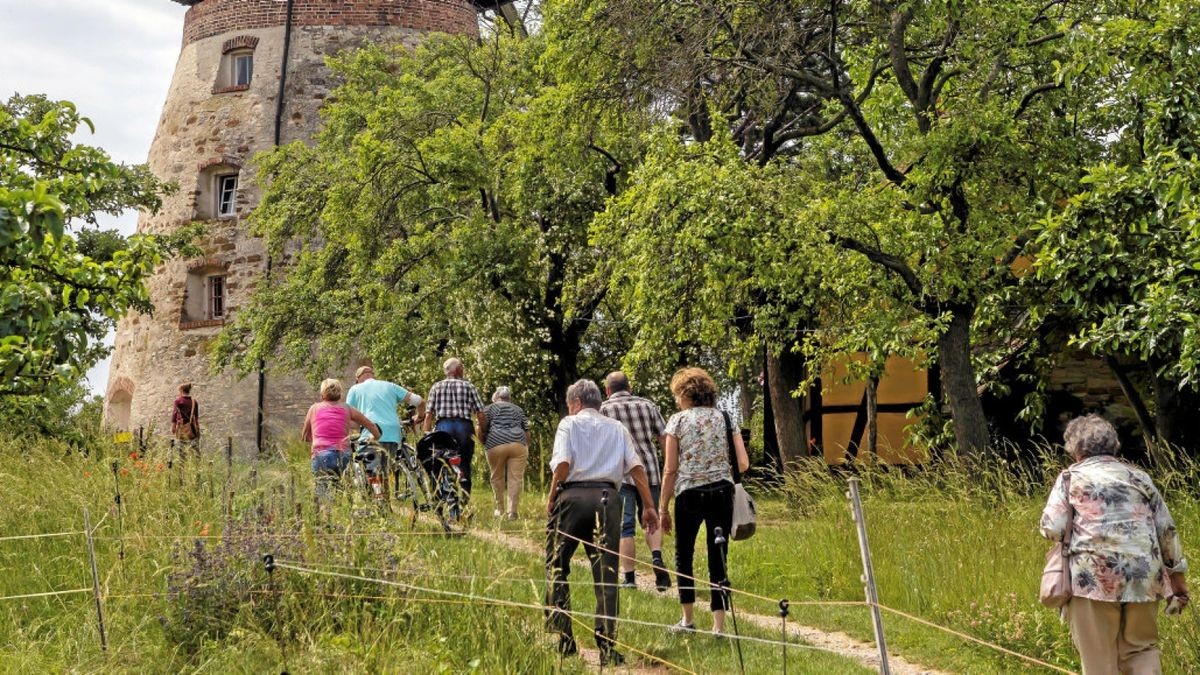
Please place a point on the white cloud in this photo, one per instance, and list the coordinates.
(112, 58)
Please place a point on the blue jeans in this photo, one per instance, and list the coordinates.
(631, 502)
(464, 433)
(327, 467)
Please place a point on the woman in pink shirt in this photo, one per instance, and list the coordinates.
(329, 425)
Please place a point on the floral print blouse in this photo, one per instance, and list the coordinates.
(703, 447)
(1123, 540)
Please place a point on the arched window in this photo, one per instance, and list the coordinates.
(205, 295)
(237, 65)
(217, 191)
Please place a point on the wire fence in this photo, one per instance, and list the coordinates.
(464, 597)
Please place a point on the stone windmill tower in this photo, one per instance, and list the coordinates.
(251, 74)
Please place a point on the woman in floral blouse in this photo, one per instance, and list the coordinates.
(697, 472)
(1123, 549)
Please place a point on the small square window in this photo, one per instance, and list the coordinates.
(226, 195)
(243, 69)
(216, 297)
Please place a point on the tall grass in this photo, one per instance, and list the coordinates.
(955, 542)
(192, 593)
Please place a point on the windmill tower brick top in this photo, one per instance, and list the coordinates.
(250, 73)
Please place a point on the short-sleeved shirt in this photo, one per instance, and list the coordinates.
(506, 424)
(454, 398)
(596, 447)
(378, 401)
(645, 424)
(703, 447)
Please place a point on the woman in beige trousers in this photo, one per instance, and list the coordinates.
(505, 433)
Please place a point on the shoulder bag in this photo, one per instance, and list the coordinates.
(744, 514)
(188, 430)
(1056, 576)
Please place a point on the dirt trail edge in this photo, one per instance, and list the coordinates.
(832, 641)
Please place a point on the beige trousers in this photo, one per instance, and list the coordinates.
(1115, 637)
(511, 457)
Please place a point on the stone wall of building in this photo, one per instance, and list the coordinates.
(208, 127)
(217, 17)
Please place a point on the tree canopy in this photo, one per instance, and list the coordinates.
(63, 281)
(974, 185)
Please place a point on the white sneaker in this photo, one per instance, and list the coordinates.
(682, 627)
(496, 513)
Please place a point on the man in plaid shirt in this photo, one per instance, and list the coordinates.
(457, 406)
(645, 423)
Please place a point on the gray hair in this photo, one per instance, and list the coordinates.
(586, 392)
(502, 394)
(451, 366)
(1089, 436)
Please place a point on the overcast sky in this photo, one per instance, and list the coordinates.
(112, 58)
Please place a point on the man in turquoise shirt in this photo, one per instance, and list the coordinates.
(379, 400)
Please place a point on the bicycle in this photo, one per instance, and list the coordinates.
(368, 473)
(438, 454)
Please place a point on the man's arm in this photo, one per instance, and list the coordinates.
(556, 479)
(649, 513)
(420, 417)
(430, 411)
(483, 427)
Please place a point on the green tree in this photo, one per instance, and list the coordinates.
(444, 209)
(63, 283)
(1122, 258)
(930, 139)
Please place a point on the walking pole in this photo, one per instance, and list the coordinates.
(603, 520)
(723, 587)
(869, 576)
(117, 500)
(87, 526)
(783, 615)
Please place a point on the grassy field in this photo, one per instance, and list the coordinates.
(958, 548)
(191, 592)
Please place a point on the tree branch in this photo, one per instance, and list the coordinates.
(1032, 94)
(889, 262)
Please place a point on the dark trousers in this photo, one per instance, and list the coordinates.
(712, 505)
(579, 512)
(464, 433)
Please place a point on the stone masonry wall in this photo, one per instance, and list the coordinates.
(216, 17)
(202, 126)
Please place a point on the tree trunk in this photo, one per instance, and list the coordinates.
(958, 383)
(872, 395)
(1175, 412)
(785, 372)
(770, 442)
(1145, 421)
(746, 394)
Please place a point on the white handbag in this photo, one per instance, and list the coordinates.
(745, 515)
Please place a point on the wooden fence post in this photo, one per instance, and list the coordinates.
(87, 526)
(869, 576)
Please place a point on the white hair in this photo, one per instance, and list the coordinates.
(451, 365)
(586, 392)
(502, 394)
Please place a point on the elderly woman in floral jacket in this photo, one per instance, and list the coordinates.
(1124, 552)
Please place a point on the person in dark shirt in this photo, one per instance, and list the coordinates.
(185, 419)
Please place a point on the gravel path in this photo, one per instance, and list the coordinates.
(832, 641)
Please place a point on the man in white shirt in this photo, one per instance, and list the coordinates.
(593, 454)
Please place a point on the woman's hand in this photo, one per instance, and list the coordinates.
(664, 520)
